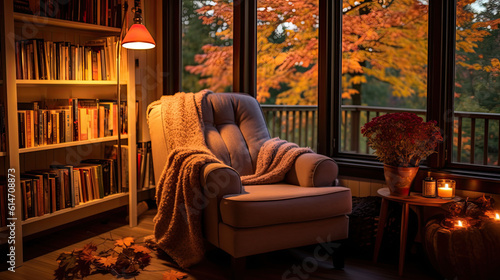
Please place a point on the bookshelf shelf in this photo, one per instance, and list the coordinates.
(2, 154)
(67, 215)
(71, 144)
(65, 82)
(45, 21)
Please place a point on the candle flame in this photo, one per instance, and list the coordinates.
(446, 186)
(497, 216)
(460, 223)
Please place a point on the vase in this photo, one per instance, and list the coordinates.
(399, 179)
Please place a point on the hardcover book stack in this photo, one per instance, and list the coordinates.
(66, 186)
(37, 59)
(102, 12)
(64, 120)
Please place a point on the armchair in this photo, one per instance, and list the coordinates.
(246, 220)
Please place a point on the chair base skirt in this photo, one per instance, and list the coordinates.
(242, 242)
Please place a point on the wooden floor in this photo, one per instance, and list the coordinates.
(299, 263)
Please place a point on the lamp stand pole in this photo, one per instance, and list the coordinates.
(118, 98)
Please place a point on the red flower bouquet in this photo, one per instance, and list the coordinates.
(402, 139)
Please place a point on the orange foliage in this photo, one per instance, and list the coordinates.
(376, 36)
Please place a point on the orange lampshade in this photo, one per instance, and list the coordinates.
(138, 38)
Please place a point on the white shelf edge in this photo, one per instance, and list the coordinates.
(45, 21)
(65, 216)
(77, 207)
(70, 144)
(66, 82)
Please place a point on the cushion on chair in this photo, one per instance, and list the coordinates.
(234, 129)
(261, 205)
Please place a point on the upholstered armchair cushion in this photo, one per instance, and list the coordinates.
(264, 205)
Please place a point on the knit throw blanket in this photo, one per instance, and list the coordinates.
(178, 229)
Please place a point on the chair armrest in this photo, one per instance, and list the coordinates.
(313, 170)
(218, 180)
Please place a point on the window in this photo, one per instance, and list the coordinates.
(477, 83)
(403, 55)
(384, 64)
(287, 68)
(207, 45)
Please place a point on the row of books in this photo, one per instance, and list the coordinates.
(37, 59)
(102, 12)
(66, 186)
(145, 174)
(64, 120)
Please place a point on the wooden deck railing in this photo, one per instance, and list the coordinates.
(299, 124)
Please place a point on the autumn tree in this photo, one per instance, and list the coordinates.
(382, 40)
(477, 82)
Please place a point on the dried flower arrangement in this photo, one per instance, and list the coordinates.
(402, 139)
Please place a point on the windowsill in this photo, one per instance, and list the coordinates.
(466, 179)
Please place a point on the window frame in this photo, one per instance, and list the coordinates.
(440, 87)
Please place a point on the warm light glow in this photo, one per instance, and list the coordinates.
(138, 46)
(138, 38)
(497, 217)
(459, 224)
(446, 186)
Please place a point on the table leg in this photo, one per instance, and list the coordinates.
(380, 229)
(404, 231)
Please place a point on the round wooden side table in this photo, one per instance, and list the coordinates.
(415, 199)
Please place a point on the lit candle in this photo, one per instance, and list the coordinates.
(445, 191)
(459, 224)
(497, 217)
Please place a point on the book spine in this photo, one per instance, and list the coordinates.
(61, 127)
(21, 129)
(36, 123)
(68, 136)
(29, 129)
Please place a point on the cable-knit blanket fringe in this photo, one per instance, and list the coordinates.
(177, 228)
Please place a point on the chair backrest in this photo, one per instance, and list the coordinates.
(234, 129)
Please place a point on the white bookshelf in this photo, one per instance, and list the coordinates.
(53, 30)
(65, 83)
(67, 215)
(71, 144)
(79, 26)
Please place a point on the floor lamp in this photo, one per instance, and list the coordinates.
(137, 38)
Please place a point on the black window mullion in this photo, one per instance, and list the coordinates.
(441, 71)
(245, 47)
(329, 76)
(172, 46)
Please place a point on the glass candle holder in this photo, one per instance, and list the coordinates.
(446, 188)
(429, 187)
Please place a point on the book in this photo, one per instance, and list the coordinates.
(69, 194)
(104, 173)
(110, 152)
(46, 60)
